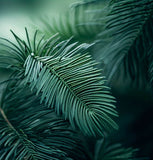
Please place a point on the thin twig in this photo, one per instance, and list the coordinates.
(6, 119)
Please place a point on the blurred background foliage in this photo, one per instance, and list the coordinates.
(134, 104)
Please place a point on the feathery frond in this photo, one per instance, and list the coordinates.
(113, 151)
(56, 99)
(36, 134)
(130, 26)
(68, 82)
(79, 22)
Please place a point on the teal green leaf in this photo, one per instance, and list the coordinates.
(130, 27)
(68, 81)
(30, 131)
(105, 150)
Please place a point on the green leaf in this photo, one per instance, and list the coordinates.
(105, 150)
(29, 130)
(68, 81)
(75, 88)
(79, 22)
(130, 27)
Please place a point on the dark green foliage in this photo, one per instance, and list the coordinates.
(130, 27)
(56, 98)
(79, 22)
(150, 61)
(29, 130)
(113, 151)
(67, 81)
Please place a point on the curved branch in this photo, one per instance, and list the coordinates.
(6, 119)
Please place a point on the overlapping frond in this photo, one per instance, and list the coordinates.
(114, 151)
(69, 82)
(130, 26)
(13, 55)
(79, 22)
(30, 131)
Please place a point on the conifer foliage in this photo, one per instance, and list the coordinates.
(56, 98)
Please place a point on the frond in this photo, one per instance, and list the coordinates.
(130, 26)
(114, 151)
(69, 82)
(79, 22)
(13, 55)
(30, 131)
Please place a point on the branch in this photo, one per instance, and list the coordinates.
(6, 119)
